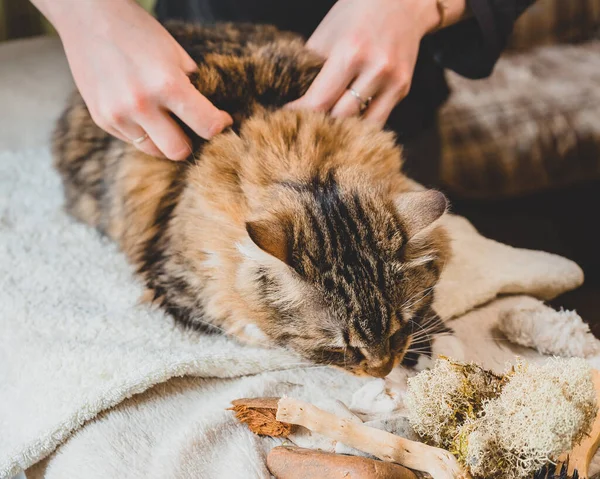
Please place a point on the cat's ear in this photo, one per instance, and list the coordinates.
(419, 209)
(272, 236)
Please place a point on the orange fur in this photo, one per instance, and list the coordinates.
(340, 263)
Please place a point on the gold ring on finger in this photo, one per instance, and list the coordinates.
(141, 139)
(364, 103)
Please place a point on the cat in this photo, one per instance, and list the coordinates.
(290, 229)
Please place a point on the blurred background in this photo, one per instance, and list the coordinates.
(518, 153)
(19, 19)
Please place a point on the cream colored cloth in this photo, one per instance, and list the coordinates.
(74, 342)
(181, 429)
(75, 346)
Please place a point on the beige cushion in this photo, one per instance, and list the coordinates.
(534, 124)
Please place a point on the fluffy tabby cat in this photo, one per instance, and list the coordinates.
(292, 228)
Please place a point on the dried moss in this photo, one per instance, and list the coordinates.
(442, 399)
(504, 427)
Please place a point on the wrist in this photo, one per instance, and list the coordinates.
(426, 14)
(432, 15)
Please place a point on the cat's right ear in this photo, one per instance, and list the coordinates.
(419, 209)
(273, 237)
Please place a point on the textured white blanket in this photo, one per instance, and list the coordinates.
(74, 343)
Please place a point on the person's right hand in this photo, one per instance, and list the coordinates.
(132, 73)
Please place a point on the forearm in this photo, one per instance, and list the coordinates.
(63, 13)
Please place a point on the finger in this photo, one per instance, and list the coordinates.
(381, 107)
(168, 137)
(148, 147)
(194, 109)
(110, 127)
(114, 131)
(187, 62)
(127, 131)
(328, 86)
(366, 86)
(130, 132)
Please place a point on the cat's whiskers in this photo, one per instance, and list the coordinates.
(434, 337)
(430, 323)
(425, 293)
(420, 348)
(427, 335)
(423, 331)
(426, 343)
(421, 340)
(418, 351)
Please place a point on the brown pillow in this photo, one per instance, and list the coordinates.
(556, 21)
(533, 125)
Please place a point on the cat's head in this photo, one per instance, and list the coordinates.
(346, 274)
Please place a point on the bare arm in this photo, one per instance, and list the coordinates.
(132, 74)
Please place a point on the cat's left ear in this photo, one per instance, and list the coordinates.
(273, 237)
(419, 209)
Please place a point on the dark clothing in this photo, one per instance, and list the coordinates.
(471, 47)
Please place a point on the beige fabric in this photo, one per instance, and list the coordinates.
(534, 124)
(181, 429)
(74, 342)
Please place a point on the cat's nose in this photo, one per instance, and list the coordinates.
(380, 368)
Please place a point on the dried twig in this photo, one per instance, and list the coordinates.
(581, 456)
(440, 464)
(259, 415)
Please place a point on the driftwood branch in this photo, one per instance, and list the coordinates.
(440, 464)
(580, 458)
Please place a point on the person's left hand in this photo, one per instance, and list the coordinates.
(371, 48)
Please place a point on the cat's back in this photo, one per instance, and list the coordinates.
(242, 69)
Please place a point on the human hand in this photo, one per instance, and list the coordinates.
(132, 75)
(370, 47)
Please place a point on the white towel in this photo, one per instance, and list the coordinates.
(74, 343)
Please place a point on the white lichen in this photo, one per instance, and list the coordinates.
(542, 412)
(529, 417)
(441, 399)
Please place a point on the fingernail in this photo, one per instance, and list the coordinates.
(228, 119)
(183, 154)
(219, 125)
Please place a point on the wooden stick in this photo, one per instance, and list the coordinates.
(581, 456)
(440, 464)
(259, 415)
(296, 463)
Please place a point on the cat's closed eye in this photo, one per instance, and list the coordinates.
(348, 355)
